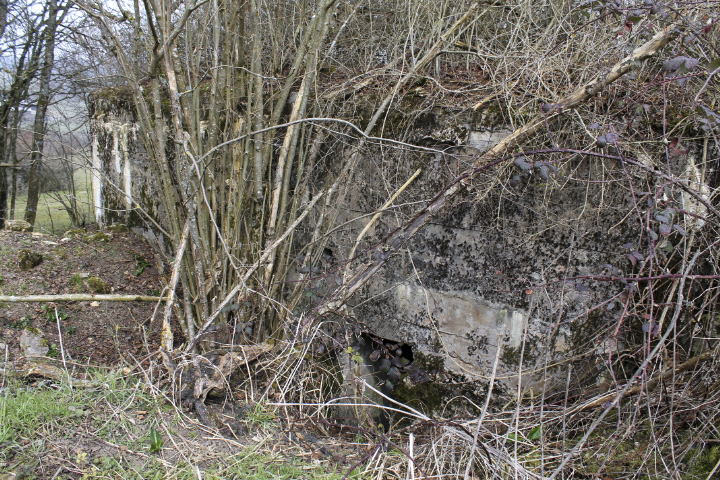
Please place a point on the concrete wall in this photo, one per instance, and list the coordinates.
(467, 282)
(124, 186)
(489, 272)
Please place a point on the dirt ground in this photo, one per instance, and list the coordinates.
(95, 333)
(102, 428)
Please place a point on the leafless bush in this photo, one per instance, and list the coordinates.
(272, 105)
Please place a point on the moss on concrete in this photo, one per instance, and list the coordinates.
(427, 397)
(433, 397)
(99, 237)
(111, 100)
(119, 228)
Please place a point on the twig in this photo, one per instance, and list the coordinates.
(712, 472)
(638, 372)
(378, 435)
(62, 348)
(251, 271)
(411, 465)
(362, 460)
(650, 385)
(381, 211)
(57, 472)
(490, 159)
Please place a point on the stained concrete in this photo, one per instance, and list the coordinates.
(491, 271)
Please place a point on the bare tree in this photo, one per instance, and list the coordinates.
(23, 53)
(3, 16)
(56, 12)
(240, 93)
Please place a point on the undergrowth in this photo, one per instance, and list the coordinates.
(102, 430)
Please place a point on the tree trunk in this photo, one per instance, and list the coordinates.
(3, 16)
(24, 73)
(3, 196)
(40, 113)
(3, 170)
(12, 150)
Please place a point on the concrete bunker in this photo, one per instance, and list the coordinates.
(487, 280)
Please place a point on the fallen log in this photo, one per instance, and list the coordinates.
(80, 297)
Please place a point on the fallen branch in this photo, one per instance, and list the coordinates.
(80, 297)
(44, 367)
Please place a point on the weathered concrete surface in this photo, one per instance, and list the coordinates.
(457, 322)
(461, 288)
(123, 176)
(18, 225)
(494, 270)
(490, 271)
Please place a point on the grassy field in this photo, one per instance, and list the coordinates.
(51, 215)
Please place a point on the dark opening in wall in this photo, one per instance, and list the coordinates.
(386, 360)
(383, 364)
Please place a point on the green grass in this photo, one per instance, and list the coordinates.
(45, 428)
(77, 281)
(261, 416)
(28, 413)
(51, 216)
(248, 464)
